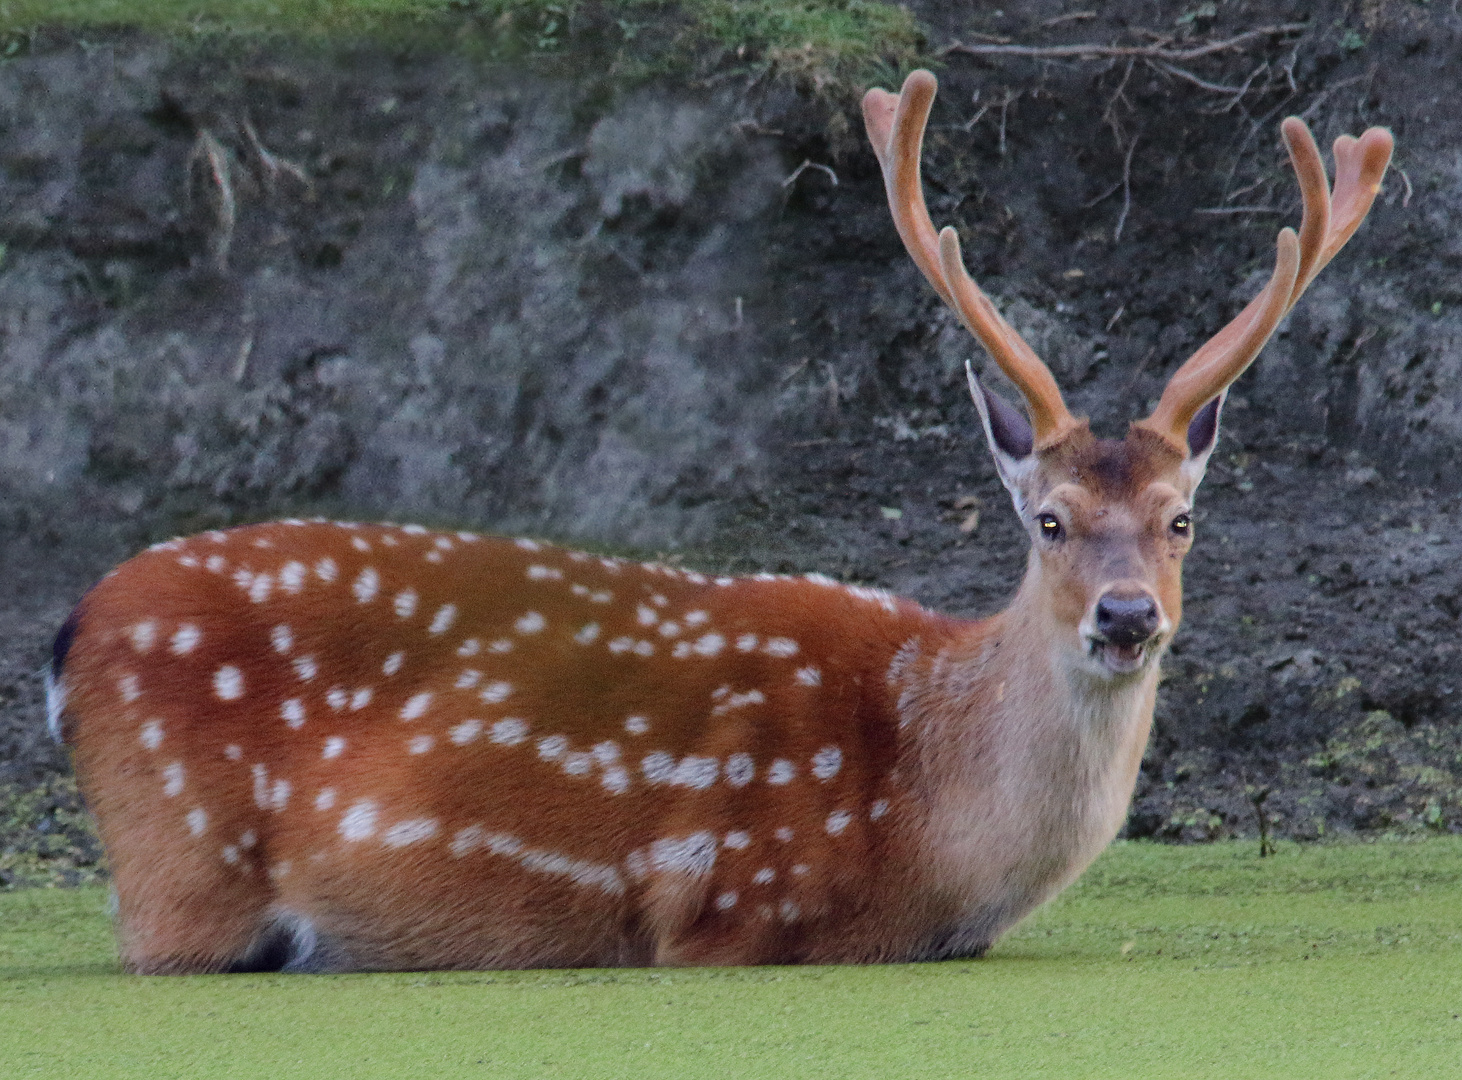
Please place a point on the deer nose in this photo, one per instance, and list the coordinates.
(1126, 621)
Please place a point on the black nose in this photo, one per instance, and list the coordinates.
(1126, 621)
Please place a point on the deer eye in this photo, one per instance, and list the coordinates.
(1181, 525)
(1050, 527)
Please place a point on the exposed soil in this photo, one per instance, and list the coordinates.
(533, 300)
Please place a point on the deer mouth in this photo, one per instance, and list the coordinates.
(1119, 659)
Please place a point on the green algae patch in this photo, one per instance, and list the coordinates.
(1332, 961)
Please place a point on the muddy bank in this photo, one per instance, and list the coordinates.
(242, 281)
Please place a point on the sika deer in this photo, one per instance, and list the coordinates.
(328, 746)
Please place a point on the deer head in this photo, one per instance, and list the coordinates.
(1111, 520)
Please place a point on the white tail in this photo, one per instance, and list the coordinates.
(330, 746)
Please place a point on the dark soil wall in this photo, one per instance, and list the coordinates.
(532, 300)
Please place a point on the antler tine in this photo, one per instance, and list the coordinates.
(895, 126)
(1328, 222)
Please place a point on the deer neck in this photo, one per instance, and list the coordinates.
(1026, 760)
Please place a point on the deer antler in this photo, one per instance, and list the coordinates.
(895, 124)
(1330, 219)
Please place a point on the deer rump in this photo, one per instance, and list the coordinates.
(330, 746)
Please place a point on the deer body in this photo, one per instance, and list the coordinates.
(327, 746)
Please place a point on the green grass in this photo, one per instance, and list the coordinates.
(1335, 961)
(826, 43)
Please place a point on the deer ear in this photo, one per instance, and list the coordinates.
(1011, 438)
(1202, 438)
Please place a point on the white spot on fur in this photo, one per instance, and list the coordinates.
(230, 854)
(151, 734)
(746, 643)
(826, 762)
(544, 573)
(336, 698)
(737, 840)
(709, 645)
(465, 732)
(530, 623)
(726, 901)
(279, 796)
(172, 779)
(740, 769)
(669, 629)
(501, 645)
(359, 543)
(360, 699)
(405, 603)
(790, 911)
(446, 615)
(420, 744)
(577, 763)
(510, 731)
(693, 855)
(334, 747)
(658, 767)
(393, 663)
(738, 701)
(416, 706)
(197, 820)
(410, 832)
(615, 780)
(526, 544)
(233, 752)
(781, 772)
(469, 647)
(260, 588)
(587, 633)
(326, 799)
(636, 725)
(414, 530)
(781, 647)
(784, 834)
(215, 564)
(327, 570)
(878, 809)
(552, 747)
(495, 693)
(837, 821)
(809, 676)
(646, 615)
(282, 639)
(228, 683)
(765, 876)
(144, 635)
(293, 712)
(128, 687)
(292, 577)
(367, 585)
(186, 639)
(644, 648)
(621, 645)
(697, 773)
(359, 822)
(695, 618)
(305, 667)
(469, 678)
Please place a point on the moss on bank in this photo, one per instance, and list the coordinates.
(833, 46)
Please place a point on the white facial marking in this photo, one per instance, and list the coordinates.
(197, 821)
(878, 809)
(709, 645)
(784, 834)
(636, 725)
(360, 699)
(325, 799)
(334, 747)
(501, 645)
(837, 821)
(260, 588)
(128, 687)
(470, 647)
(393, 663)
(185, 640)
(293, 712)
(587, 633)
(694, 855)
(658, 767)
(233, 752)
(494, 693)
(172, 779)
(420, 744)
(337, 698)
(697, 773)
(826, 763)
(530, 623)
(765, 876)
(740, 769)
(465, 732)
(552, 748)
(292, 577)
(726, 901)
(144, 635)
(151, 734)
(366, 586)
(781, 772)
(405, 603)
(305, 667)
(409, 832)
(446, 615)
(615, 780)
(359, 822)
(746, 643)
(510, 731)
(737, 840)
(544, 573)
(282, 639)
(416, 706)
(228, 683)
(809, 676)
(780, 646)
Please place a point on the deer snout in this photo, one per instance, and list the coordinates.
(1126, 621)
